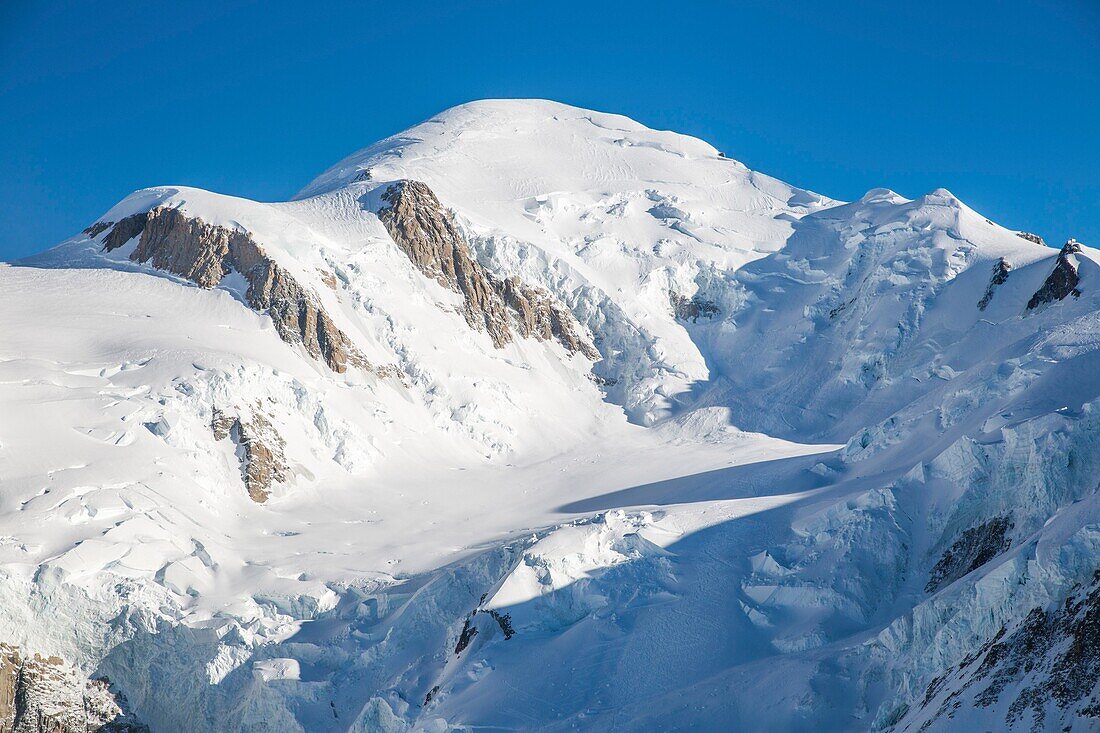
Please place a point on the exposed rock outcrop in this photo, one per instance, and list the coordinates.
(44, 695)
(426, 233)
(467, 634)
(693, 308)
(1048, 666)
(539, 315)
(204, 254)
(504, 621)
(98, 228)
(297, 316)
(260, 449)
(124, 231)
(470, 630)
(1063, 279)
(977, 546)
(187, 247)
(329, 279)
(1031, 238)
(1000, 275)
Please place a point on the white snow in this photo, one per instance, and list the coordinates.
(725, 522)
(277, 669)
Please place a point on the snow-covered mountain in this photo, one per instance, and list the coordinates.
(533, 418)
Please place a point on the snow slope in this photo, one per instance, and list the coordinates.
(832, 466)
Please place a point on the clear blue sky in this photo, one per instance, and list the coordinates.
(997, 101)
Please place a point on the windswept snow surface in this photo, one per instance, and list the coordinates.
(828, 473)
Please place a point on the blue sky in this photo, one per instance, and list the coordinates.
(997, 101)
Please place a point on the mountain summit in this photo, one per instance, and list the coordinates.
(531, 417)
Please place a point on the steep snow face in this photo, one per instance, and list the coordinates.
(868, 306)
(687, 445)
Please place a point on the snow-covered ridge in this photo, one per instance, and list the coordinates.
(534, 392)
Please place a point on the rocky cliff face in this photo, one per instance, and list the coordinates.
(1040, 674)
(537, 314)
(260, 449)
(204, 254)
(1000, 277)
(426, 232)
(44, 695)
(121, 233)
(1062, 280)
(977, 546)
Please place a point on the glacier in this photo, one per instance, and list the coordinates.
(530, 417)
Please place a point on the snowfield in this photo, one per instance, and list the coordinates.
(612, 433)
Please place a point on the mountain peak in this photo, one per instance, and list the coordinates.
(526, 377)
(533, 131)
(941, 196)
(883, 195)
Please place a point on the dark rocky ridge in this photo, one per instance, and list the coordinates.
(204, 254)
(1000, 276)
(977, 546)
(98, 228)
(1048, 665)
(1062, 281)
(426, 233)
(466, 635)
(122, 232)
(45, 695)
